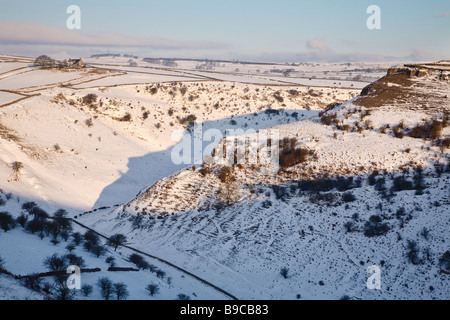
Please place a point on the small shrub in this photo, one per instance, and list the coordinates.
(152, 289)
(126, 117)
(401, 184)
(205, 170)
(75, 260)
(425, 233)
(98, 250)
(111, 261)
(224, 174)
(328, 119)
(89, 122)
(398, 132)
(375, 227)
(373, 178)
(16, 166)
(348, 197)
(444, 261)
(7, 222)
(349, 226)
(22, 220)
(139, 261)
(284, 272)
(380, 184)
(90, 99)
(412, 252)
(160, 274)
(87, 289)
(290, 158)
(331, 106)
(278, 97)
(32, 282)
(188, 120)
(332, 199)
(272, 112)
(431, 130)
(445, 143)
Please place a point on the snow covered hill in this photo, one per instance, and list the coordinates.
(80, 152)
(363, 179)
(374, 192)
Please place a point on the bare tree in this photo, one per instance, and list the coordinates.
(183, 296)
(7, 222)
(152, 289)
(120, 291)
(16, 166)
(44, 61)
(87, 289)
(229, 192)
(284, 272)
(106, 287)
(117, 240)
(61, 291)
(55, 263)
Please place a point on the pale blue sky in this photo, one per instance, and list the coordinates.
(253, 29)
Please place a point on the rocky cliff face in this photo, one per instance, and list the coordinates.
(423, 87)
(440, 69)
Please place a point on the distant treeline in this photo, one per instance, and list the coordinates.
(113, 55)
(211, 60)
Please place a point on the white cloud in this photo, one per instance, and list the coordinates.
(318, 51)
(424, 55)
(21, 33)
(443, 15)
(317, 44)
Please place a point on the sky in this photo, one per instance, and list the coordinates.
(255, 30)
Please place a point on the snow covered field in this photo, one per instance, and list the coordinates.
(7, 97)
(6, 67)
(36, 78)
